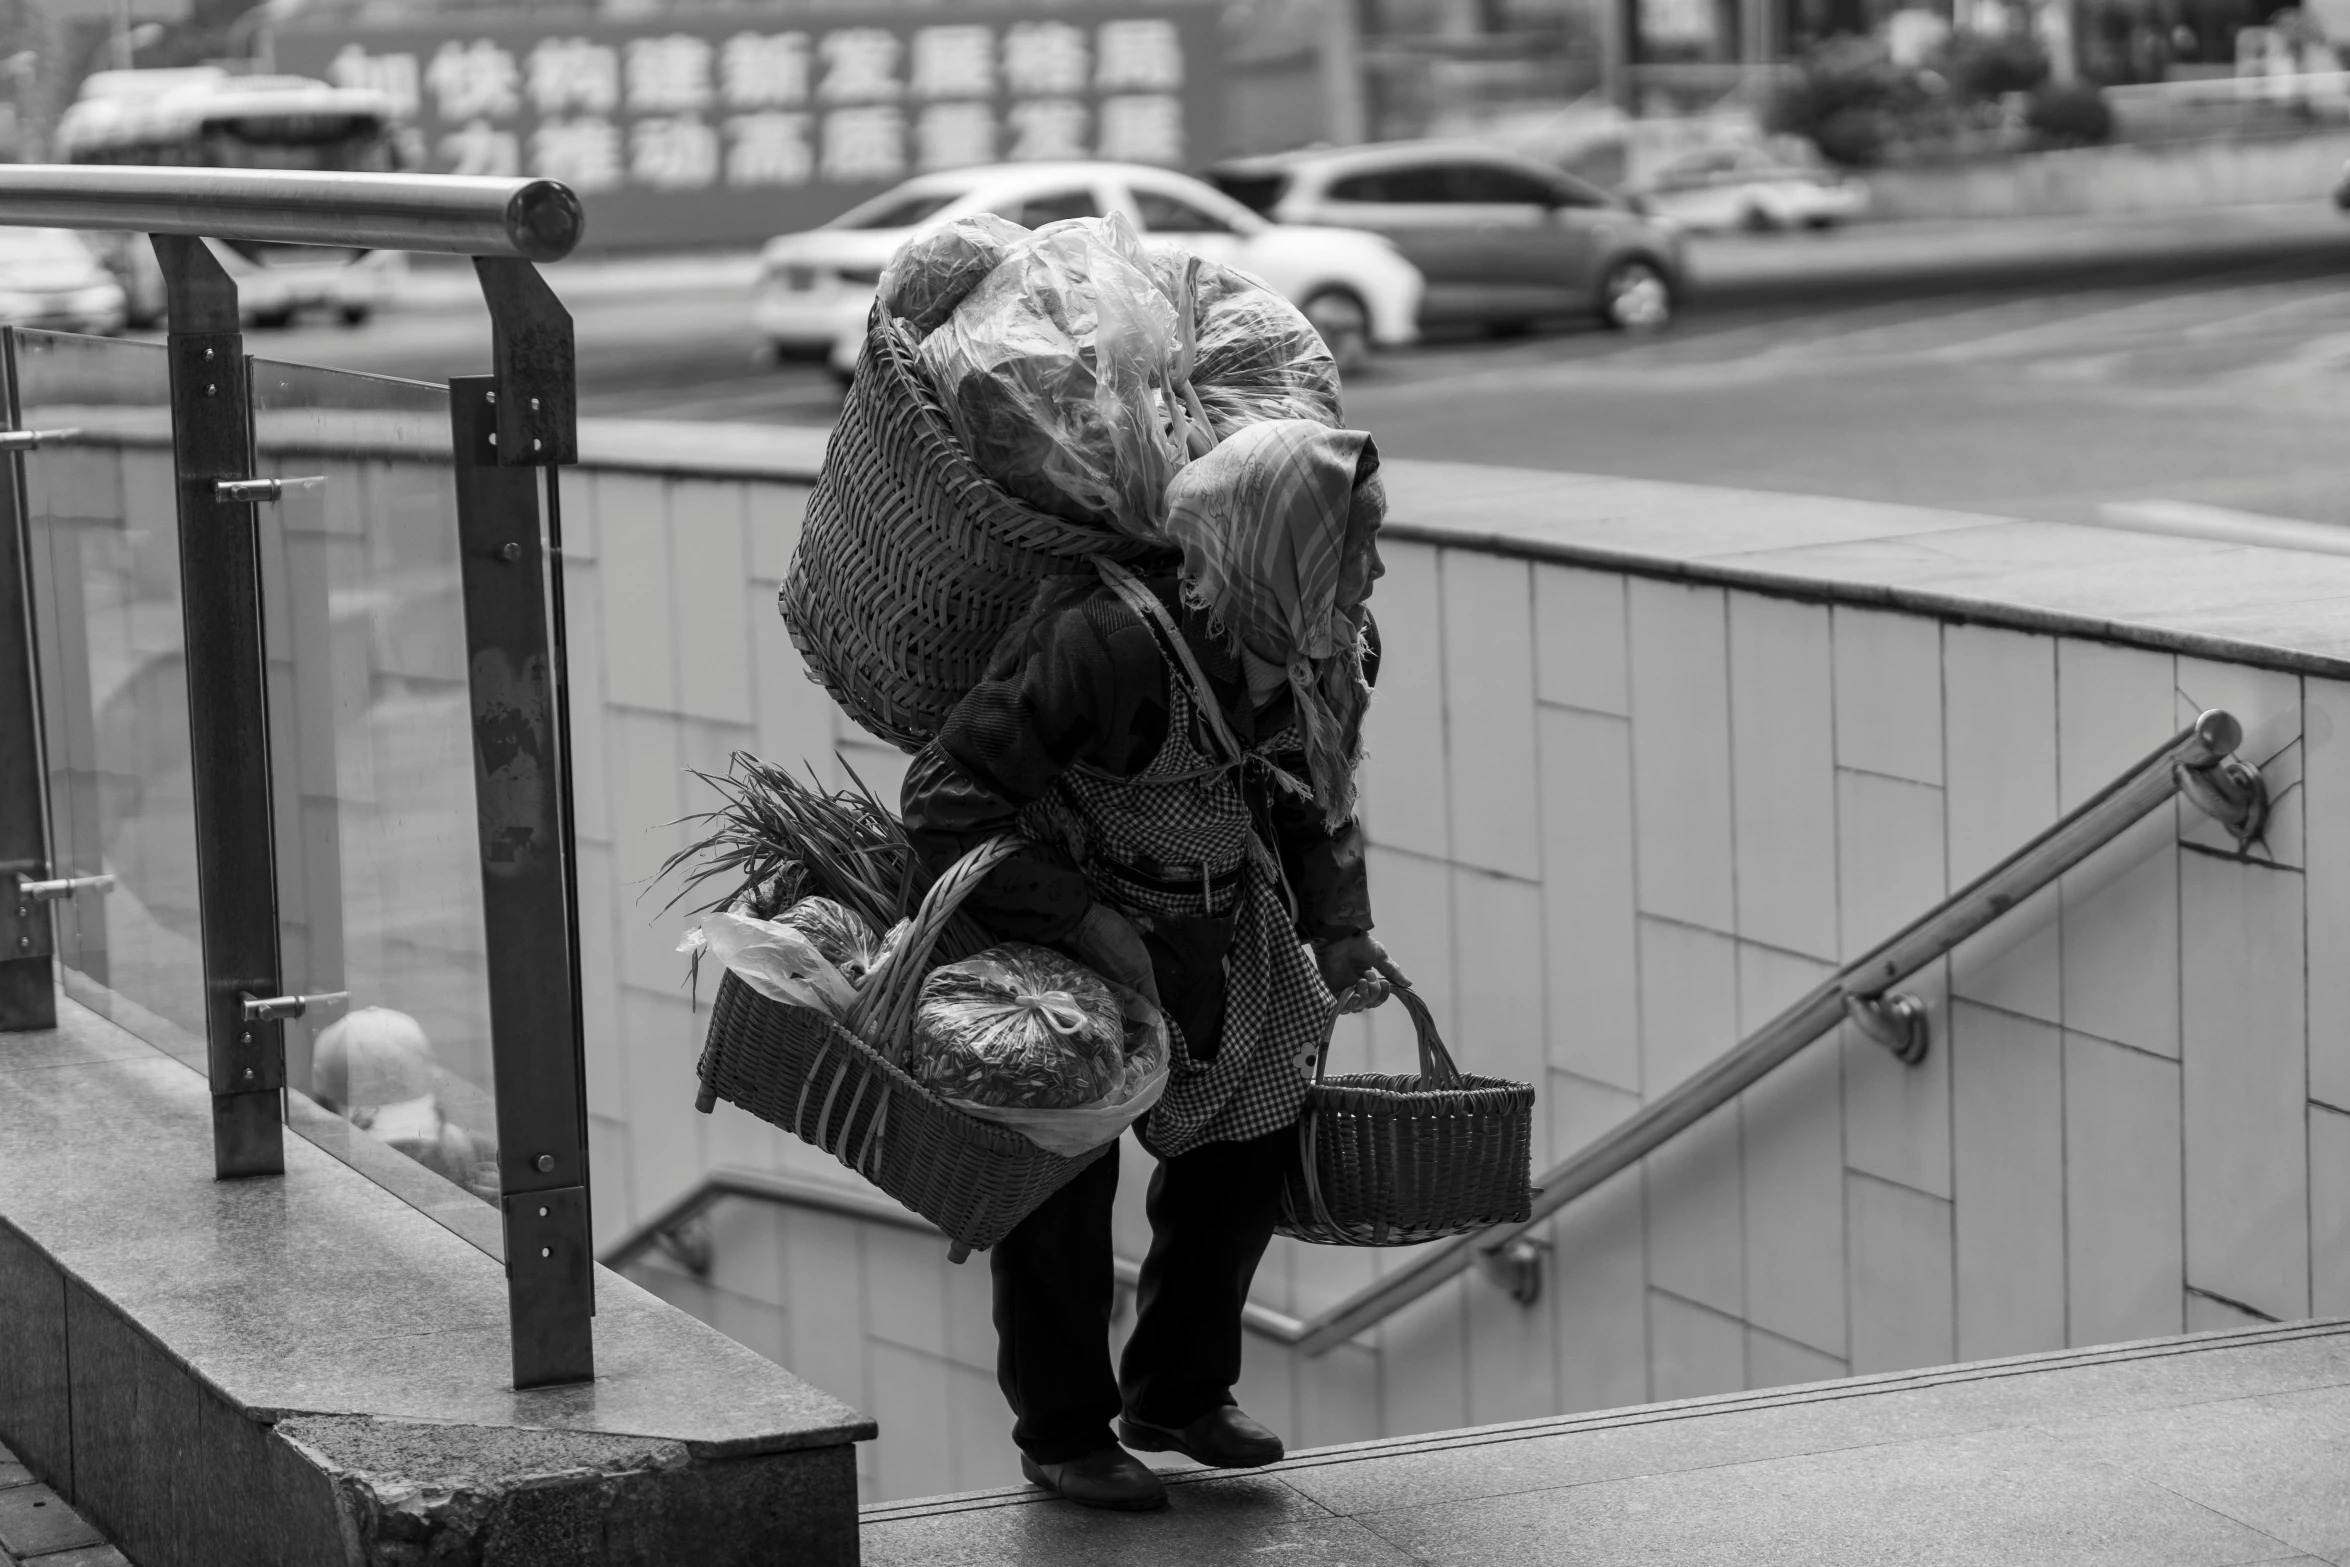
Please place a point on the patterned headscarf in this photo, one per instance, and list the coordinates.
(1268, 521)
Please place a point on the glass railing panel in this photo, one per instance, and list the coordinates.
(103, 524)
(379, 866)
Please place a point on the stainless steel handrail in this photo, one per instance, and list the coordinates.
(525, 219)
(669, 1230)
(2197, 761)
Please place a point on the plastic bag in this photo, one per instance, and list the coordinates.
(1078, 1129)
(933, 273)
(843, 937)
(1020, 1025)
(1258, 357)
(1053, 372)
(774, 959)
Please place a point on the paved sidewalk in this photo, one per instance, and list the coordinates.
(38, 1529)
(2206, 1451)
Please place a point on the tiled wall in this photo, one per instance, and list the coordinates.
(1619, 822)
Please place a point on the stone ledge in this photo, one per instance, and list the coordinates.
(338, 1362)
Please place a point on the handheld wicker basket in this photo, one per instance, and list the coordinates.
(1387, 1160)
(798, 1069)
(912, 564)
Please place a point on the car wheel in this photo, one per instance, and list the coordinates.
(1757, 220)
(1820, 222)
(355, 315)
(1506, 329)
(1345, 327)
(1635, 297)
(271, 320)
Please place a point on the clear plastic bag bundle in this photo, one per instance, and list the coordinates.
(1053, 372)
(933, 273)
(1258, 357)
(842, 936)
(1020, 1025)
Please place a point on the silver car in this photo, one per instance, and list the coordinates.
(1503, 240)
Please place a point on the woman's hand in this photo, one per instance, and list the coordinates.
(1108, 940)
(1356, 968)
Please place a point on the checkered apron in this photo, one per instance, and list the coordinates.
(1185, 819)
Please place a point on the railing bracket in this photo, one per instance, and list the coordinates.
(62, 886)
(1517, 1268)
(258, 490)
(268, 1009)
(2231, 792)
(1896, 1020)
(28, 440)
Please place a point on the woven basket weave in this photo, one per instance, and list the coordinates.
(798, 1069)
(912, 564)
(1387, 1160)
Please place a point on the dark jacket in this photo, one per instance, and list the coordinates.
(1092, 687)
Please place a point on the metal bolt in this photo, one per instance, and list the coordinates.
(542, 1213)
(493, 437)
(210, 355)
(24, 943)
(534, 405)
(245, 1038)
(493, 397)
(545, 1163)
(510, 553)
(248, 1074)
(534, 443)
(212, 389)
(546, 1251)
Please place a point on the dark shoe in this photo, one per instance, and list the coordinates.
(1108, 1477)
(1223, 1438)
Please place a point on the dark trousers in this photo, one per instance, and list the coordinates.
(1211, 1213)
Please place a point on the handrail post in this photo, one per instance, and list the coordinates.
(228, 707)
(28, 992)
(508, 429)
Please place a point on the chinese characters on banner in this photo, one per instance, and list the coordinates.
(711, 129)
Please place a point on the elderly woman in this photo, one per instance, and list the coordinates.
(1179, 751)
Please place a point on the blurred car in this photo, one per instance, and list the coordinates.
(1748, 188)
(52, 278)
(1503, 240)
(275, 283)
(2342, 189)
(815, 287)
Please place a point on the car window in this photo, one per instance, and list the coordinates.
(1491, 185)
(1257, 192)
(1162, 213)
(1412, 185)
(1568, 191)
(1036, 211)
(902, 213)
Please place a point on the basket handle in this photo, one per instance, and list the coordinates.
(884, 1009)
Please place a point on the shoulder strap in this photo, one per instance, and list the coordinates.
(1154, 614)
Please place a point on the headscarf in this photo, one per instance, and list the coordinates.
(1268, 522)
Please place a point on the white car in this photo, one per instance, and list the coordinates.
(1748, 188)
(52, 278)
(815, 288)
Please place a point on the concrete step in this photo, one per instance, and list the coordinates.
(2203, 1451)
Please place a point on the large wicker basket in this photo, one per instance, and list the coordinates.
(912, 564)
(1387, 1160)
(800, 1070)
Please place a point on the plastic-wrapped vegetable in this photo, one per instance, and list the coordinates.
(1052, 372)
(843, 937)
(933, 273)
(1258, 356)
(1020, 1025)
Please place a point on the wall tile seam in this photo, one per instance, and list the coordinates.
(1719, 571)
(1914, 783)
(1712, 1311)
(1901, 1186)
(1678, 923)
(1541, 702)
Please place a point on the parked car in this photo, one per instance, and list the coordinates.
(1748, 188)
(815, 287)
(52, 278)
(1503, 240)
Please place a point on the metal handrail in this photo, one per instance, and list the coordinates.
(2198, 761)
(521, 219)
(671, 1230)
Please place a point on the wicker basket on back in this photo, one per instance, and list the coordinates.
(1385, 1160)
(912, 564)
